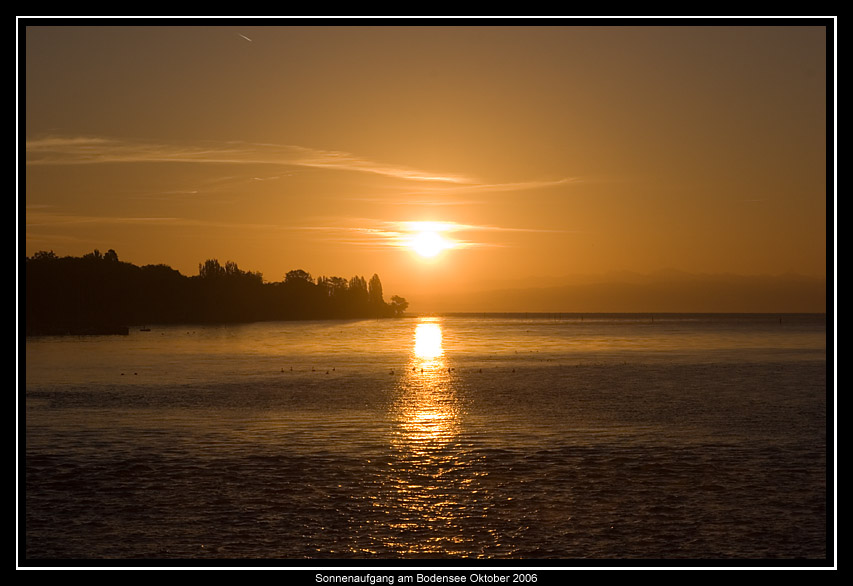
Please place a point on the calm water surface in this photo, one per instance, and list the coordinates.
(500, 437)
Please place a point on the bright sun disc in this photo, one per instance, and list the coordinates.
(429, 244)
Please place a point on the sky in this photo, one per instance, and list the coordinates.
(449, 159)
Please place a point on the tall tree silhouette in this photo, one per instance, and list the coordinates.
(374, 291)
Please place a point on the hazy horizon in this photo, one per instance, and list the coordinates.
(664, 291)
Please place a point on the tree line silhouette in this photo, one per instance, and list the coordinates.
(99, 294)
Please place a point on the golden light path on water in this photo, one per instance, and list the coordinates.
(429, 413)
(430, 487)
(427, 407)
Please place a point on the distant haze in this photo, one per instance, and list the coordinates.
(673, 292)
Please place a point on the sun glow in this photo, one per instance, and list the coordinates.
(428, 244)
(427, 238)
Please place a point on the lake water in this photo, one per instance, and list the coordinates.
(460, 437)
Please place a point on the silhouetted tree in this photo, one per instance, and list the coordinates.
(398, 305)
(357, 294)
(335, 287)
(96, 293)
(210, 269)
(374, 291)
(298, 275)
(44, 255)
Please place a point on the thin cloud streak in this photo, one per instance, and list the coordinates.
(395, 200)
(399, 234)
(93, 150)
(98, 150)
(38, 219)
(498, 187)
(440, 226)
(41, 220)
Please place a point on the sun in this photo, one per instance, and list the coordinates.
(429, 244)
(428, 239)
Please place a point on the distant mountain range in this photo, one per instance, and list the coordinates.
(664, 291)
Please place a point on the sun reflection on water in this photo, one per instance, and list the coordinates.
(428, 489)
(428, 341)
(427, 408)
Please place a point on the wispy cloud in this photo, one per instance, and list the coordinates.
(399, 234)
(44, 217)
(95, 150)
(449, 194)
(344, 161)
(38, 218)
(442, 226)
(47, 227)
(498, 187)
(432, 187)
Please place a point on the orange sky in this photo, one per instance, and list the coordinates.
(546, 152)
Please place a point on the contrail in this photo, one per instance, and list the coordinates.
(245, 37)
